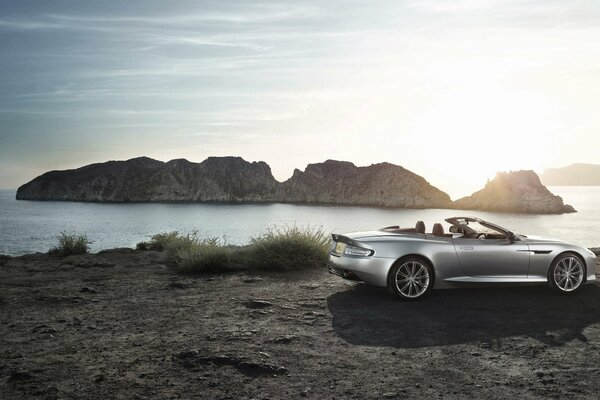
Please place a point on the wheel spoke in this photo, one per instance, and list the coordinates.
(402, 273)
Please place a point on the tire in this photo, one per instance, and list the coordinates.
(567, 273)
(411, 278)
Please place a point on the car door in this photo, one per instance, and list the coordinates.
(492, 257)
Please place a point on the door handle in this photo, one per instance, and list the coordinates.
(466, 247)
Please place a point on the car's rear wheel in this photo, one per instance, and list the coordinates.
(567, 273)
(410, 278)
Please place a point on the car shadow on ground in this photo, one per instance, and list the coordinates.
(370, 316)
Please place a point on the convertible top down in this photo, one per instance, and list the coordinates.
(411, 262)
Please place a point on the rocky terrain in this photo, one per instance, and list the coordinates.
(572, 175)
(121, 324)
(515, 191)
(385, 184)
(233, 179)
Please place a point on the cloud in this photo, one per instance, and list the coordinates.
(351, 79)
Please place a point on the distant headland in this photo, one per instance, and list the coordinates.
(572, 175)
(233, 179)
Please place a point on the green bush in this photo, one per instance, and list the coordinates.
(169, 241)
(288, 248)
(204, 256)
(71, 244)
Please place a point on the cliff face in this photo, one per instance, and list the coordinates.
(384, 184)
(145, 179)
(517, 191)
(234, 179)
(572, 175)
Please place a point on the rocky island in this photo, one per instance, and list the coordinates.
(515, 191)
(233, 179)
(384, 184)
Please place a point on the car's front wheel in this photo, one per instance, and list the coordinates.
(410, 278)
(567, 273)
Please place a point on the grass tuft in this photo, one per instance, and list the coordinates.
(171, 242)
(69, 244)
(281, 249)
(208, 255)
(288, 248)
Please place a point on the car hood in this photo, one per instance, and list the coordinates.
(540, 239)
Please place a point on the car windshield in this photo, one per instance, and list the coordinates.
(476, 229)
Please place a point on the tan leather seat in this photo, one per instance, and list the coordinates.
(438, 230)
(420, 227)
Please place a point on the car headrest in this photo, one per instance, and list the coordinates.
(420, 227)
(438, 230)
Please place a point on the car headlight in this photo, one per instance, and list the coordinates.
(357, 251)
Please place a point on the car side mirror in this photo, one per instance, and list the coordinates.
(453, 229)
(512, 237)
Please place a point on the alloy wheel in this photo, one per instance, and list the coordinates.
(568, 274)
(412, 279)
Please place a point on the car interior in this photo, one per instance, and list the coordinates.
(473, 230)
(437, 230)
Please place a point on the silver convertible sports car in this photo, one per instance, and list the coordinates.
(411, 262)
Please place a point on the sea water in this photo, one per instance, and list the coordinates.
(33, 226)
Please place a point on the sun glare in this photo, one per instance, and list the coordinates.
(485, 125)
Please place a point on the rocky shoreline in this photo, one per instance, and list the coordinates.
(122, 324)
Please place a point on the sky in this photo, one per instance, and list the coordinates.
(453, 91)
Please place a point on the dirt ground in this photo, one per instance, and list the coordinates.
(123, 325)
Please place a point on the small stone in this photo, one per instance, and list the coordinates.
(86, 289)
(178, 285)
(44, 329)
(285, 339)
(254, 304)
(389, 395)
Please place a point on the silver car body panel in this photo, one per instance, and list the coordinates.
(456, 260)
